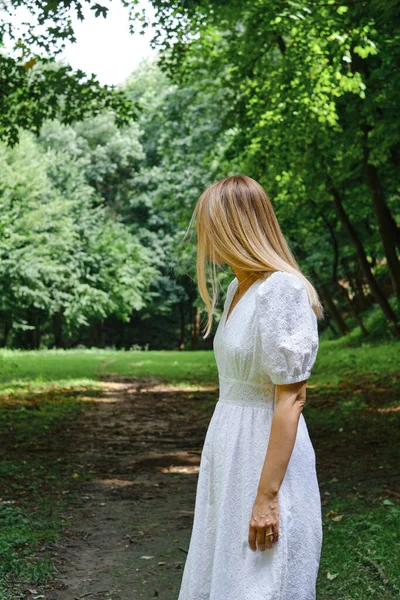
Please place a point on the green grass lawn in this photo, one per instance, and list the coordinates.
(350, 414)
(335, 360)
(34, 481)
(354, 428)
(66, 368)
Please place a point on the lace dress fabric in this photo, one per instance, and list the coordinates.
(269, 338)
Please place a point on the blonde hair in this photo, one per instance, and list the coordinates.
(237, 225)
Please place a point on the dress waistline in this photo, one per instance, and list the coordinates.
(245, 393)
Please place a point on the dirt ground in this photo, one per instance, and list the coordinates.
(140, 444)
(128, 532)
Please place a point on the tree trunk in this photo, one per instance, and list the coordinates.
(6, 330)
(100, 334)
(195, 329)
(96, 334)
(362, 260)
(388, 229)
(387, 226)
(357, 285)
(57, 330)
(353, 308)
(182, 325)
(333, 309)
(358, 299)
(33, 335)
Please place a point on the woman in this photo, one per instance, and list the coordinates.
(257, 529)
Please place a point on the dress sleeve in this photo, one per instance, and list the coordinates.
(288, 328)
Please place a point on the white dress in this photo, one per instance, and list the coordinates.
(270, 337)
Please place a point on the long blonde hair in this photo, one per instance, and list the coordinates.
(237, 225)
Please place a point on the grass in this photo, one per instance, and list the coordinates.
(21, 536)
(85, 366)
(335, 361)
(350, 414)
(35, 481)
(353, 428)
(359, 559)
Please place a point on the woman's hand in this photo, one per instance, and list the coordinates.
(264, 520)
(265, 515)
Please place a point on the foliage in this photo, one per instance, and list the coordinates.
(299, 95)
(35, 86)
(61, 255)
(312, 91)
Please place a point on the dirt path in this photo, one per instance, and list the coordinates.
(140, 444)
(129, 530)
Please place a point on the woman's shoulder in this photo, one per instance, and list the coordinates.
(283, 292)
(279, 282)
(274, 284)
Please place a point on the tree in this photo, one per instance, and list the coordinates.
(34, 86)
(63, 261)
(315, 88)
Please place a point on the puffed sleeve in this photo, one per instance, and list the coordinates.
(287, 326)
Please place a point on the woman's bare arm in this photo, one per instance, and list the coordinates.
(265, 514)
(291, 399)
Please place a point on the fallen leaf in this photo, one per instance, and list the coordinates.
(147, 557)
(331, 576)
(338, 518)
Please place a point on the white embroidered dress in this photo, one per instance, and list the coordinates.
(270, 337)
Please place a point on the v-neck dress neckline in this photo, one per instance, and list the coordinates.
(227, 316)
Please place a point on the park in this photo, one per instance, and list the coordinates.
(107, 386)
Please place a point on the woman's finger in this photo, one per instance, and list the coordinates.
(261, 542)
(276, 533)
(252, 538)
(268, 538)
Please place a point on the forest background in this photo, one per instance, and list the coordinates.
(98, 183)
